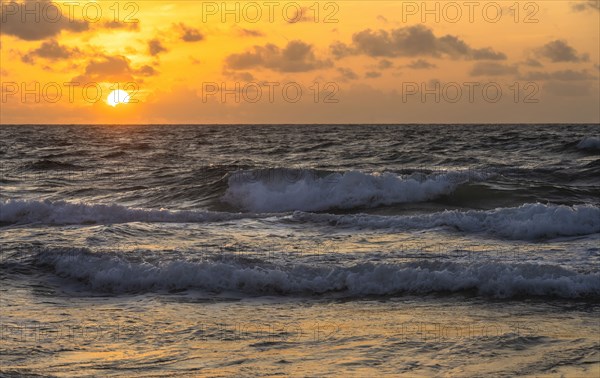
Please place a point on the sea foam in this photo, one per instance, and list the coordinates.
(288, 190)
(116, 274)
(526, 222)
(62, 212)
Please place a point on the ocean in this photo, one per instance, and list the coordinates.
(307, 250)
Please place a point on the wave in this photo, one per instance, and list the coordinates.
(61, 212)
(527, 222)
(115, 274)
(589, 143)
(283, 189)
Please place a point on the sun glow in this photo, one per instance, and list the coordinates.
(117, 97)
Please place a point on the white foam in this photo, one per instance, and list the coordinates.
(527, 222)
(61, 212)
(589, 143)
(308, 192)
(114, 273)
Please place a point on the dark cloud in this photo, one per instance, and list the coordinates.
(411, 41)
(586, 5)
(372, 74)
(493, 69)
(304, 14)
(113, 69)
(487, 54)
(297, 56)
(189, 34)
(155, 47)
(145, 70)
(347, 74)
(50, 50)
(560, 51)
(117, 25)
(385, 64)
(107, 69)
(533, 63)
(421, 64)
(48, 21)
(239, 76)
(565, 75)
(341, 50)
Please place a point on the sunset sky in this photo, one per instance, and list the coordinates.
(356, 62)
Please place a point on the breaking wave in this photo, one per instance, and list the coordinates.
(115, 274)
(527, 222)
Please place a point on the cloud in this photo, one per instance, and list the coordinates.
(115, 25)
(487, 54)
(560, 51)
(155, 47)
(533, 63)
(347, 74)
(565, 75)
(372, 74)
(50, 50)
(493, 69)
(586, 5)
(145, 70)
(304, 14)
(239, 76)
(297, 56)
(410, 41)
(249, 33)
(112, 69)
(421, 64)
(188, 34)
(385, 64)
(19, 22)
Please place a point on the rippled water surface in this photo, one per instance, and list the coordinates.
(275, 250)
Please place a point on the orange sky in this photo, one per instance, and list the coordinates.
(300, 62)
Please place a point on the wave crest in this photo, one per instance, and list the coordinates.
(115, 274)
(306, 190)
(62, 212)
(589, 143)
(527, 222)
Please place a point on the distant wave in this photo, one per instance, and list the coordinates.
(589, 143)
(61, 212)
(115, 274)
(527, 222)
(296, 189)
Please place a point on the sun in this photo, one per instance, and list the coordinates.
(117, 97)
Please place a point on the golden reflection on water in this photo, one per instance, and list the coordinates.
(187, 334)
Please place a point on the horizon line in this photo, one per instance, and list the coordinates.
(305, 124)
